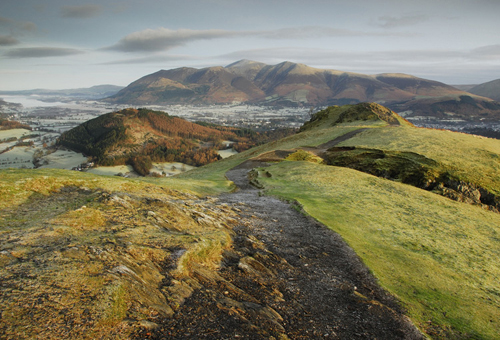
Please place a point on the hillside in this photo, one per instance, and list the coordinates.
(87, 257)
(490, 89)
(404, 221)
(188, 85)
(139, 137)
(292, 84)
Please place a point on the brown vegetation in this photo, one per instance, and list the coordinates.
(12, 124)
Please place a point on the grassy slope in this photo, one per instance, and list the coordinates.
(438, 256)
(323, 132)
(472, 158)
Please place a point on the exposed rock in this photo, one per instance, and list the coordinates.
(253, 267)
(148, 325)
(121, 201)
(6, 258)
(285, 277)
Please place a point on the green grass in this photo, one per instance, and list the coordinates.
(215, 172)
(438, 256)
(470, 158)
(318, 132)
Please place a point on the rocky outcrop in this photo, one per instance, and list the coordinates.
(469, 193)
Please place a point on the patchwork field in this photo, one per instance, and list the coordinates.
(13, 133)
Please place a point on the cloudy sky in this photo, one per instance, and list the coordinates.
(59, 44)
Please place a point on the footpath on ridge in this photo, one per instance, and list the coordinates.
(286, 277)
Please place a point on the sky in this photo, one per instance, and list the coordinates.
(62, 44)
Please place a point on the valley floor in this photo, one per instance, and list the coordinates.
(287, 277)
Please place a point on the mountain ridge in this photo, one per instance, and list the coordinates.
(295, 84)
(489, 89)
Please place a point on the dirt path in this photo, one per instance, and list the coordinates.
(287, 277)
(325, 146)
(322, 148)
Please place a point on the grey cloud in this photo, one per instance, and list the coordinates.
(25, 26)
(163, 39)
(445, 65)
(81, 12)
(336, 57)
(486, 52)
(41, 52)
(306, 32)
(5, 21)
(402, 21)
(7, 40)
(316, 31)
(151, 59)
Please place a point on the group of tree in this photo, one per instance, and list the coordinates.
(95, 137)
(6, 124)
(178, 127)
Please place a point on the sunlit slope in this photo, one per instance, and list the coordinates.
(463, 157)
(471, 158)
(466, 157)
(90, 251)
(319, 131)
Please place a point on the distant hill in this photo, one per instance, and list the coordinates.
(464, 87)
(490, 89)
(94, 92)
(292, 84)
(139, 137)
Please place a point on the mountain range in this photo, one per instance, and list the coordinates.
(94, 92)
(293, 84)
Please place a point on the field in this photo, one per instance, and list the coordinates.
(18, 157)
(17, 133)
(227, 153)
(112, 170)
(63, 159)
